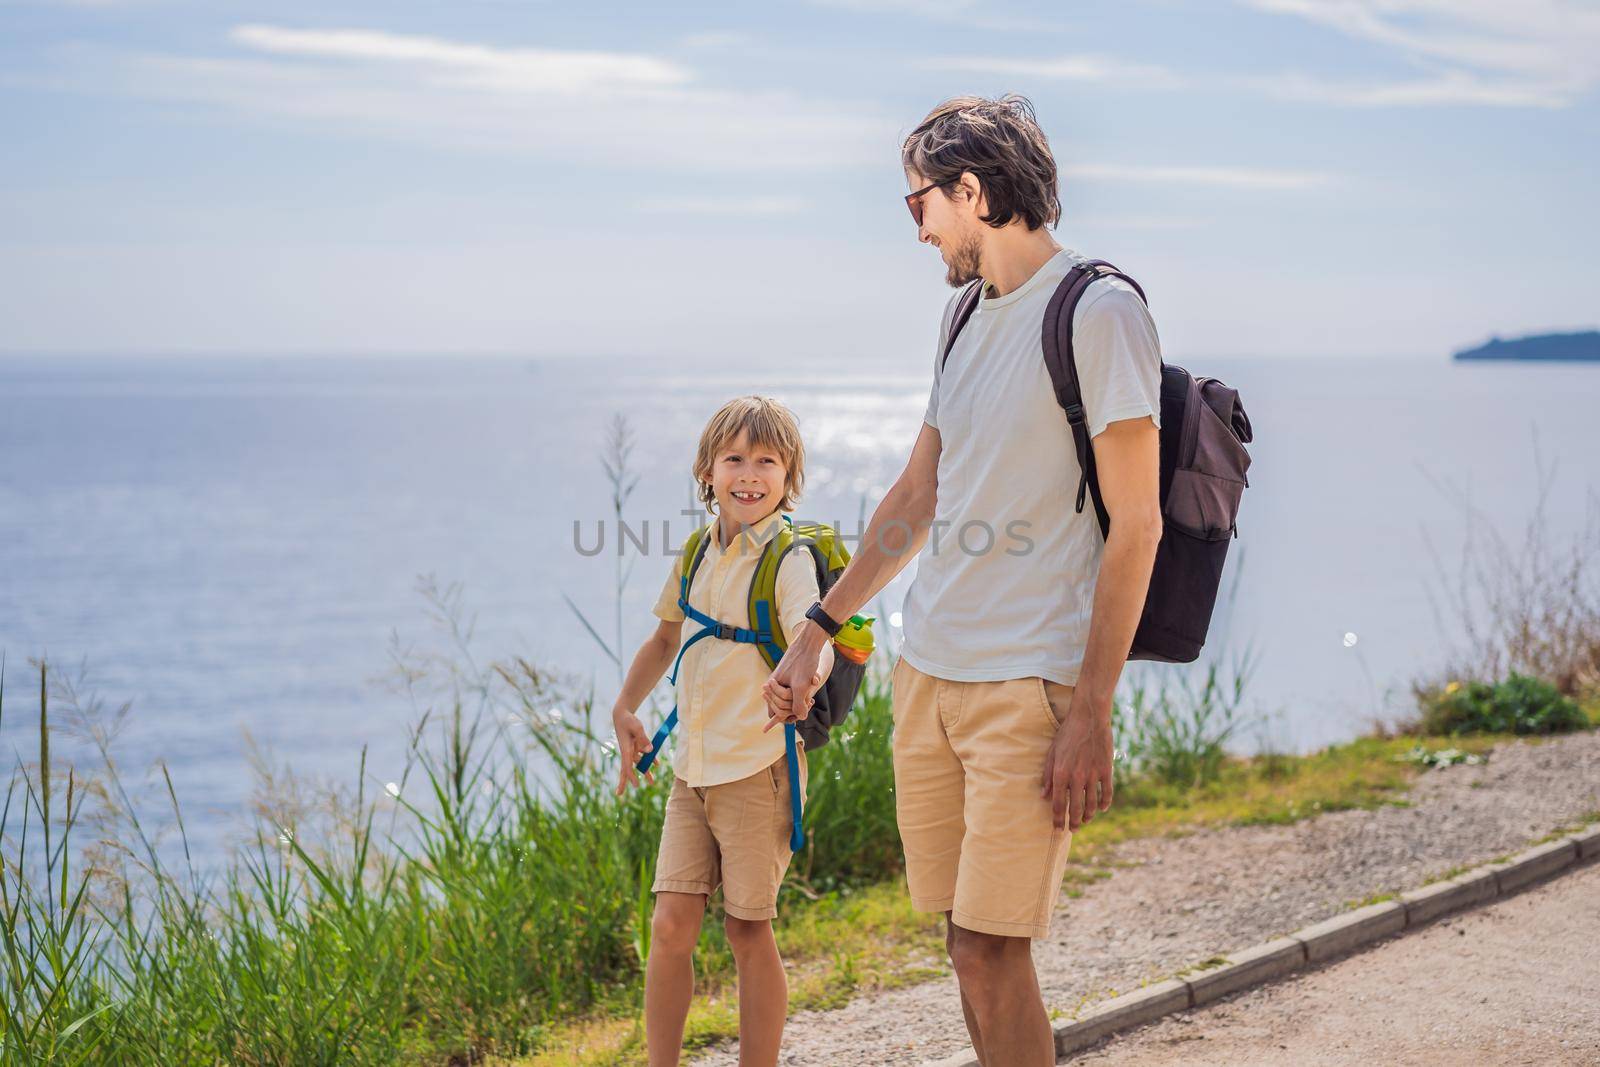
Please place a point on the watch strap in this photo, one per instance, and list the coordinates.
(823, 619)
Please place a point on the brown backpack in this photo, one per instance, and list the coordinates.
(1203, 461)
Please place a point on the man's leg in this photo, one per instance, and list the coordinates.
(669, 974)
(966, 1004)
(763, 990)
(930, 798)
(1000, 994)
(1012, 860)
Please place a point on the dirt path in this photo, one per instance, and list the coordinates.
(1185, 899)
(1514, 982)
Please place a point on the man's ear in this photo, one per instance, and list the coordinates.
(973, 188)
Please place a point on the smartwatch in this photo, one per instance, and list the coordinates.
(823, 619)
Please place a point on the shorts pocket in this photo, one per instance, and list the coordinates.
(1051, 718)
(896, 693)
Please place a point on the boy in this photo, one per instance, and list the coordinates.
(729, 813)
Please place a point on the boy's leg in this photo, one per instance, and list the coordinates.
(763, 990)
(669, 975)
(687, 870)
(751, 820)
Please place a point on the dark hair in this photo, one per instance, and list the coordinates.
(1001, 143)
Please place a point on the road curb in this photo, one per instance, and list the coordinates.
(1269, 961)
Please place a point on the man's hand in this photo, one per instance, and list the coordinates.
(1077, 771)
(632, 742)
(793, 684)
(781, 705)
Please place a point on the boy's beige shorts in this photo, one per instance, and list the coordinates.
(978, 837)
(735, 834)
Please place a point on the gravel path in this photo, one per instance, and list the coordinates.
(1182, 900)
(1513, 982)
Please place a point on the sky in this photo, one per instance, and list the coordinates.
(1286, 178)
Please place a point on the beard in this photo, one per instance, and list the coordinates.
(963, 265)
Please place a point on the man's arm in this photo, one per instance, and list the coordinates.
(1077, 775)
(1127, 463)
(897, 532)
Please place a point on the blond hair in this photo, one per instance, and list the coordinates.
(766, 424)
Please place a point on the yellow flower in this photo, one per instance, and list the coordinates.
(1452, 687)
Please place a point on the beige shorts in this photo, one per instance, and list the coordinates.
(979, 839)
(735, 834)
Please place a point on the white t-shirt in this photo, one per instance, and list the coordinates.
(1005, 584)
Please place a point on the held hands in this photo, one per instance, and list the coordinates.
(791, 687)
(632, 742)
(1076, 778)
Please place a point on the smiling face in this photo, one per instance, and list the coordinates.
(748, 481)
(950, 224)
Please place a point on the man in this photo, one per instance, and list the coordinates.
(1021, 614)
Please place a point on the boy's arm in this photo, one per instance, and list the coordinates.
(655, 655)
(658, 650)
(650, 663)
(897, 532)
(652, 660)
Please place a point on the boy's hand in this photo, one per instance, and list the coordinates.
(632, 742)
(782, 703)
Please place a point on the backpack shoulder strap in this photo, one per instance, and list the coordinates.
(694, 550)
(1063, 368)
(966, 304)
(828, 556)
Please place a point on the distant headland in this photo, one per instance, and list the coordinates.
(1562, 346)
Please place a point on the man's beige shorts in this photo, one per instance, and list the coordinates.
(979, 839)
(735, 834)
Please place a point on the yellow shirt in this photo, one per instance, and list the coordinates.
(720, 710)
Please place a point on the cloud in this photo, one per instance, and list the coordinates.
(969, 14)
(709, 39)
(1448, 87)
(1529, 53)
(1138, 222)
(1451, 87)
(1536, 53)
(472, 65)
(1087, 68)
(733, 205)
(1228, 177)
(624, 109)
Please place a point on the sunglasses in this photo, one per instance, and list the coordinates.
(914, 200)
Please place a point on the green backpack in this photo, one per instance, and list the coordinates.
(764, 630)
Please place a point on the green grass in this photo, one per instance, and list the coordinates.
(496, 908)
(1583, 822)
(1269, 789)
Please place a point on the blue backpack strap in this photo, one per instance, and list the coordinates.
(709, 629)
(797, 834)
(671, 720)
(761, 636)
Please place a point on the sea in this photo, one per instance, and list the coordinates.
(237, 561)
